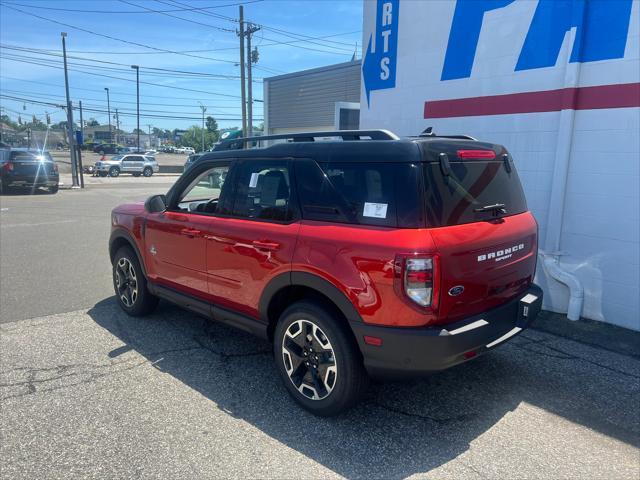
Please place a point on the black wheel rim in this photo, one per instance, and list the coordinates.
(126, 282)
(309, 359)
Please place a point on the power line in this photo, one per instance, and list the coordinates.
(40, 51)
(115, 38)
(102, 75)
(40, 7)
(266, 27)
(336, 49)
(222, 29)
(120, 102)
(115, 93)
(40, 102)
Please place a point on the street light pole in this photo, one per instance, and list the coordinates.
(204, 109)
(250, 30)
(109, 113)
(137, 69)
(81, 122)
(150, 145)
(72, 150)
(117, 125)
(242, 81)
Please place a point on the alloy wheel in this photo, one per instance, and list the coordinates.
(126, 282)
(309, 359)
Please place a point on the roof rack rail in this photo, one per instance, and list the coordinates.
(311, 136)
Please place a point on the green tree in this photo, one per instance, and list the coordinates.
(92, 122)
(212, 125)
(193, 138)
(10, 123)
(138, 130)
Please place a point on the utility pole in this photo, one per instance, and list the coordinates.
(81, 122)
(137, 69)
(242, 65)
(72, 150)
(251, 29)
(117, 125)
(149, 126)
(109, 113)
(204, 109)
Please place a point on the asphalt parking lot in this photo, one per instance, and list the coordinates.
(87, 392)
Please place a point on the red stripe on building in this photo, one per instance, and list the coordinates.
(581, 98)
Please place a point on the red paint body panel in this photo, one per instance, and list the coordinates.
(229, 261)
(359, 261)
(243, 256)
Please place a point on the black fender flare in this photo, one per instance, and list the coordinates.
(121, 233)
(315, 282)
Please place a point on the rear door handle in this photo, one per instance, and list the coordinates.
(190, 232)
(265, 244)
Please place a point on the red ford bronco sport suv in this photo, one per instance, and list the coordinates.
(365, 255)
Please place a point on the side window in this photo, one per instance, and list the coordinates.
(263, 190)
(134, 158)
(359, 193)
(205, 194)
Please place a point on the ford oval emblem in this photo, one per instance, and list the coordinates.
(455, 291)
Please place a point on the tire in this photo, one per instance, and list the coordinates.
(114, 172)
(54, 189)
(147, 172)
(339, 379)
(130, 284)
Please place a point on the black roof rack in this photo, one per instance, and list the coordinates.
(311, 136)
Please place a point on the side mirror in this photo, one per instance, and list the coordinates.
(156, 204)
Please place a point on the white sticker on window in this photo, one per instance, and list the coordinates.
(253, 183)
(375, 210)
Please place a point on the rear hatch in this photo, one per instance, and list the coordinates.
(32, 165)
(485, 236)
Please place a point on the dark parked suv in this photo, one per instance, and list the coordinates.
(26, 168)
(363, 256)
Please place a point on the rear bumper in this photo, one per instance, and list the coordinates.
(412, 352)
(30, 180)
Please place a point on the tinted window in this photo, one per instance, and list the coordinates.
(263, 190)
(471, 185)
(349, 192)
(205, 193)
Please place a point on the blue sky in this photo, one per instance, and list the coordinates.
(283, 43)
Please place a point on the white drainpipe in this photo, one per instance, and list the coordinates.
(551, 256)
(576, 291)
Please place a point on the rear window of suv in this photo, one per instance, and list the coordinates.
(472, 184)
(358, 192)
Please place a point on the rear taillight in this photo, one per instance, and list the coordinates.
(416, 279)
(55, 167)
(8, 167)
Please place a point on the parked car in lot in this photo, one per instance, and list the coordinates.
(191, 160)
(373, 256)
(187, 150)
(107, 148)
(25, 168)
(136, 164)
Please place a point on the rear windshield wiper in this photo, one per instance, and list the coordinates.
(496, 208)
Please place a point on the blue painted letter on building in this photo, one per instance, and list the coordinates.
(379, 64)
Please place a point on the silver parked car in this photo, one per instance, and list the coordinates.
(136, 164)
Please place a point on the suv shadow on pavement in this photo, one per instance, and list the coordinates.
(400, 428)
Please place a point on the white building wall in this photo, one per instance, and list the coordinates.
(600, 234)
